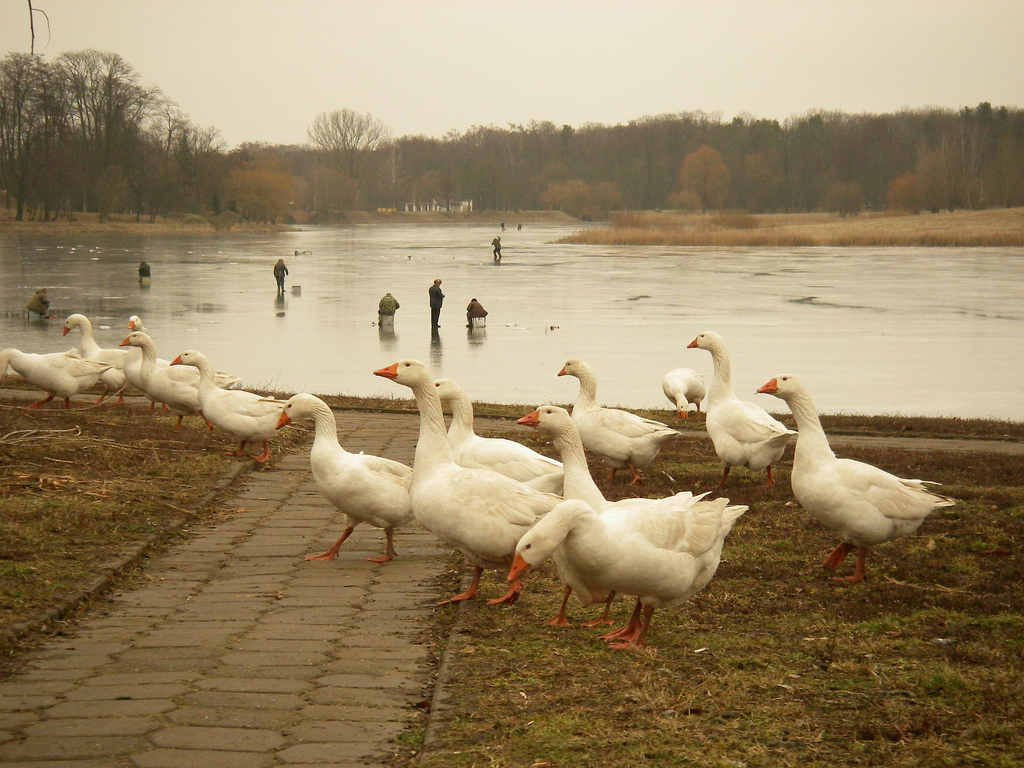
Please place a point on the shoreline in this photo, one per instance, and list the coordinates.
(1003, 227)
(88, 223)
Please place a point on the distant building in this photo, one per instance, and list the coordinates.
(460, 206)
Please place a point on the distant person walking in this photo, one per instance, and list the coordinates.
(386, 309)
(474, 310)
(436, 300)
(280, 270)
(144, 273)
(39, 305)
(496, 245)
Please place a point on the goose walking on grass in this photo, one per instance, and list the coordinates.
(865, 505)
(661, 557)
(684, 387)
(622, 439)
(366, 488)
(579, 484)
(59, 374)
(160, 384)
(112, 379)
(744, 434)
(507, 457)
(246, 415)
(478, 511)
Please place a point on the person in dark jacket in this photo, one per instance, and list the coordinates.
(280, 270)
(436, 300)
(474, 309)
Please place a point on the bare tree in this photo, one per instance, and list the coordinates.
(349, 139)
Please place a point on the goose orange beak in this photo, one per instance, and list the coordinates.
(65, 331)
(561, 372)
(131, 325)
(692, 344)
(176, 361)
(284, 419)
(530, 419)
(391, 372)
(769, 389)
(125, 343)
(519, 567)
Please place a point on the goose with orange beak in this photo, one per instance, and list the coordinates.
(744, 433)
(478, 511)
(366, 488)
(865, 505)
(661, 559)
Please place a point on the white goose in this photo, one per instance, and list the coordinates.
(865, 505)
(744, 434)
(661, 557)
(478, 511)
(186, 375)
(366, 488)
(579, 484)
(622, 439)
(684, 387)
(506, 457)
(245, 415)
(112, 379)
(59, 374)
(159, 383)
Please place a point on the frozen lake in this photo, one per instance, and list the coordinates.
(936, 331)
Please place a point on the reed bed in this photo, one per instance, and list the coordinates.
(960, 229)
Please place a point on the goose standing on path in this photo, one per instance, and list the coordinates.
(684, 387)
(622, 439)
(366, 488)
(744, 434)
(112, 379)
(245, 415)
(865, 505)
(661, 557)
(478, 511)
(507, 457)
(557, 424)
(59, 374)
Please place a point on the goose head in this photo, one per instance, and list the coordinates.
(782, 386)
(136, 339)
(73, 321)
(549, 419)
(411, 373)
(190, 357)
(300, 406)
(575, 367)
(706, 340)
(540, 542)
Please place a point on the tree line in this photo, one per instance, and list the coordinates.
(81, 133)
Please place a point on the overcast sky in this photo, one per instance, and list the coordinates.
(261, 70)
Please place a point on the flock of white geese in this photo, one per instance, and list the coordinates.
(509, 508)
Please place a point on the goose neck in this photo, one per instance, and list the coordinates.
(577, 482)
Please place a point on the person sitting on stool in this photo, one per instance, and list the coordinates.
(474, 309)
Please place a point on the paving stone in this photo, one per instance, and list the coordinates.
(228, 739)
(236, 651)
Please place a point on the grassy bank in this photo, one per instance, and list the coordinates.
(774, 663)
(1002, 227)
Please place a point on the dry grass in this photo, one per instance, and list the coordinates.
(774, 664)
(989, 228)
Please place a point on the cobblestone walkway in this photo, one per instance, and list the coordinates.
(236, 652)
